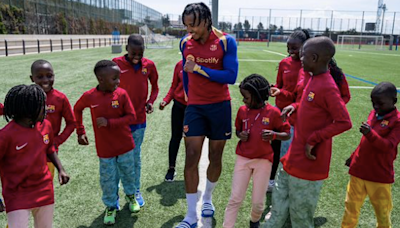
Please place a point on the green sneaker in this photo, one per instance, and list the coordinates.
(109, 216)
(133, 204)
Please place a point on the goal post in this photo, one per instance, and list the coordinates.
(360, 41)
(156, 41)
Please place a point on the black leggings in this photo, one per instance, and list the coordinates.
(177, 116)
(276, 147)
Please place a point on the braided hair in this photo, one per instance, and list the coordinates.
(257, 86)
(336, 72)
(301, 34)
(198, 9)
(24, 101)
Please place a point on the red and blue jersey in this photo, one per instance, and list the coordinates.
(217, 66)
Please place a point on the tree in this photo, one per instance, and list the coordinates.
(273, 28)
(260, 26)
(225, 26)
(246, 25)
(165, 22)
(229, 24)
(352, 31)
(326, 32)
(238, 27)
(280, 30)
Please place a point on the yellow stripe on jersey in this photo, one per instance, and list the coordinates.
(185, 40)
(198, 69)
(221, 36)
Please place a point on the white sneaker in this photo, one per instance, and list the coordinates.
(271, 185)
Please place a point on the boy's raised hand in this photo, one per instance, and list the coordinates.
(83, 140)
(2, 207)
(63, 177)
(275, 91)
(162, 105)
(149, 108)
(101, 122)
(365, 128)
(189, 66)
(309, 155)
(286, 112)
(243, 136)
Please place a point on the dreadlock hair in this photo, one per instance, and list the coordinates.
(135, 40)
(336, 72)
(300, 34)
(258, 87)
(39, 63)
(24, 101)
(199, 10)
(103, 64)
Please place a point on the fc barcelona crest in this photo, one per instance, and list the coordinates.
(115, 104)
(50, 108)
(46, 138)
(213, 47)
(144, 71)
(384, 123)
(265, 121)
(311, 96)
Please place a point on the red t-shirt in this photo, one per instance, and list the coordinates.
(322, 114)
(58, 107)
(286, 81)
(176, 89)
(135, 82)
(374, 157)
(25, 177)
(302, 82)
(116, 138)
(254, 121)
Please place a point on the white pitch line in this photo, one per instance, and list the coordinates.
(363, 87)
(276, 53)
(259, 60)
(203, 165)
(370, 53)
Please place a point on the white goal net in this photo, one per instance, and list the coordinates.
(360, 42)
(153, 40)
(279, 38)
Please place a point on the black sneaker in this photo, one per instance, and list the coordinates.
(169, 177)
(254, 224)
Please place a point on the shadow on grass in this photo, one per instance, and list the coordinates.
(170, 192)
(125, 219)
(209, 222)
(318, 221)
(172, 222)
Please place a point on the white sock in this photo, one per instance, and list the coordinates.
(191, 216)
(210, 186)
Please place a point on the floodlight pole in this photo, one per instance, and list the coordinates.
(215, 13)
(362, 28)
(269, 27)
(237, 28)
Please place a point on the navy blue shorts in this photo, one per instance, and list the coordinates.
(211, 120)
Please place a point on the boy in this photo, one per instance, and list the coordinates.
(57, 104)
(135, 73)
(322, 115)
(111, 112)
(209, 64)
(371, 164)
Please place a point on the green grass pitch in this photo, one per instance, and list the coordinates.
(79, 204)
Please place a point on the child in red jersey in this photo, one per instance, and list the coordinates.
(286, 81)
(177, 116)
(25, 142)
(57, 104)
(371, 165)
(112, 112)
(136, 72)
(257, 123)
(322, 115)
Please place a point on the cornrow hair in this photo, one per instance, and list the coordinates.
(199, 10)
(135, 39)
(103, 64)
(301, 34)
(336, 72)
(38, 63)
(258, 87)
(24, 101)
